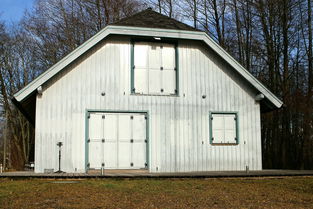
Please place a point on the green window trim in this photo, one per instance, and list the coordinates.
(132, 73)
(177, 68)
(211, 129)
(132, 67)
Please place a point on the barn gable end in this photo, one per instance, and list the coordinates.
(87, 102)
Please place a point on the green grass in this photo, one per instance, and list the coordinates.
(288, 192)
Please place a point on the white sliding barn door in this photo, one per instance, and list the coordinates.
(117, 140)
(110, 141)
(124, 141)
(95, 141)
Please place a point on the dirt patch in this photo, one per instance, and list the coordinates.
(294, 192)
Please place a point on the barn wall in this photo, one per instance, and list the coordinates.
(179, 125)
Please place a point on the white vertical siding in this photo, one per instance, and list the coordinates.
(178, 126)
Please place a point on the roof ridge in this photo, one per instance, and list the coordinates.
(124, 18)
(153, 19)
(171, 18)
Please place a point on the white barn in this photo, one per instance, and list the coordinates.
(147, 93)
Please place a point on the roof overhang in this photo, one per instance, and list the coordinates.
(148, 32)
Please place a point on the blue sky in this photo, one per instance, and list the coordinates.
(13, 10)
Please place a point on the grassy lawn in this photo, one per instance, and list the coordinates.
(296, 192)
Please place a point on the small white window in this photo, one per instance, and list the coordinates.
(223, 128)
(154, 69)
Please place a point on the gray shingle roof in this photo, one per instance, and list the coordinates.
(151, 19)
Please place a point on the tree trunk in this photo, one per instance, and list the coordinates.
(307, 144)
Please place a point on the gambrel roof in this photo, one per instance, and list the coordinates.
(163, 27)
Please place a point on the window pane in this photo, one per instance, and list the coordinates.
(168, 56)
(154, 56)
(155, 81)
(230, 128)
(218, 136)
(218, 121)
(230, 136)
(218, 128)
(140, 55)
(141, 80)
(230, 122)
(169, 81)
